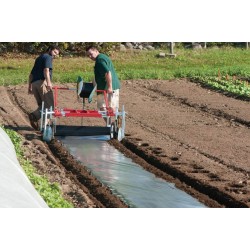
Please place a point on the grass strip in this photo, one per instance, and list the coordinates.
(136, 65)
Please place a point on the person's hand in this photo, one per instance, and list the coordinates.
(110, 90)
(49, 87)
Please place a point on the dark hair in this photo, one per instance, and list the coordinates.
(91, 47)
(52, 47)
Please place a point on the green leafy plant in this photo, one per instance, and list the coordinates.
(50, 192)
(226, 83)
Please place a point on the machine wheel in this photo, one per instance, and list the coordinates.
(48, 134)
(115, 131)
(112, 130)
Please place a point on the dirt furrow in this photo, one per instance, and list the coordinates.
(219, 166)
(52, 160)
(192, 136)
(198, 170)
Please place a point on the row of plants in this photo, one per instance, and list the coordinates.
(50, 192)
(229, 84)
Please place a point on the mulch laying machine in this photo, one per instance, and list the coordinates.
(115, 120)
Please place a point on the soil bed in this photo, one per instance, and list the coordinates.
(194, 137)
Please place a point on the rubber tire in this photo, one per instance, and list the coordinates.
(112, 130)
(48, 135)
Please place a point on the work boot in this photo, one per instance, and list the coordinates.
(33, 121)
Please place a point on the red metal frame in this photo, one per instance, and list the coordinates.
(66, 112)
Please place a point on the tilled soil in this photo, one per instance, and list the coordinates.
(194, 137)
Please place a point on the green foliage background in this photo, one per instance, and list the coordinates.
(78, 48)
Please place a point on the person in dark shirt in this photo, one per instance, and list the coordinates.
(40, 83)
(105, 78)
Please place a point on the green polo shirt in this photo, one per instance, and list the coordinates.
(103, 64)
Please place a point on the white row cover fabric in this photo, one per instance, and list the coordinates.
(16, 190)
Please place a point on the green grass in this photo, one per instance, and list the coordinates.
(137, 65)
(50, 192)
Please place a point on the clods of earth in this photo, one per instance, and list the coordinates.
(192, 136)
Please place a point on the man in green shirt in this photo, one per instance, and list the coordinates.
(105, 78)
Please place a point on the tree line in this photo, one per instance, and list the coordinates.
(78, 48)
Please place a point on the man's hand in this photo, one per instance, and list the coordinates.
(110, 90)
(49, 87)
